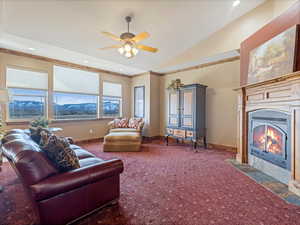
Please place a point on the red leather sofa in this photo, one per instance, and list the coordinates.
(59, 198)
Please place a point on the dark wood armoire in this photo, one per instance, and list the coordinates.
(186, 114)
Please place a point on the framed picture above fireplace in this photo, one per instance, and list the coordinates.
(274, 58)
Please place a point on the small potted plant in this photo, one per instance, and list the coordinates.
(40, 122)
(175, 85)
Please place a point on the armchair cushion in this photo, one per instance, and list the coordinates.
(123, 130)
(116, 137)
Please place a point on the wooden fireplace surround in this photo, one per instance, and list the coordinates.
(278, 94)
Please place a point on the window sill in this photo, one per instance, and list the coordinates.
(79, 120)
(58, 121)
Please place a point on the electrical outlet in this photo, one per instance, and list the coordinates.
(91, 131)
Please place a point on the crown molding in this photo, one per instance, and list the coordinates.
(231, 59)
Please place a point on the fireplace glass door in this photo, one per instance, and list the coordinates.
(270, 139)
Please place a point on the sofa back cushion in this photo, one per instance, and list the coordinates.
(26, 156)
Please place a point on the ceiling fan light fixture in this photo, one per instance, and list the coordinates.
(135, 51)
(128, 47)
(121, 50)
(128, 55)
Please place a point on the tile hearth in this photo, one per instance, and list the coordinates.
(270, 183)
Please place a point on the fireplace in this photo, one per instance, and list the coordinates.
(269, 137)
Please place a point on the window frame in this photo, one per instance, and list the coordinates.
(134, 100)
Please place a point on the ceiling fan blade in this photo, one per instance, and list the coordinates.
(109, 47)
(147, 48)
(112, 36)
(140, 37)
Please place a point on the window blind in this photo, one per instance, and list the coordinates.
(75, 81)
(112, 89)
(18, 78)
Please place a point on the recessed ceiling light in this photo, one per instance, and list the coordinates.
(31, 49)
(85, 61)
(236, 3)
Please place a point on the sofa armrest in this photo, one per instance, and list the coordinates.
(70, 180)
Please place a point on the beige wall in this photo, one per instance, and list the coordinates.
(78, 130)
(230, 37)
(155, 104)
(221, 117)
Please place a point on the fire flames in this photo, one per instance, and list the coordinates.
(268, 139)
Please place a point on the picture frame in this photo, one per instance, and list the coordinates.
(275, 57)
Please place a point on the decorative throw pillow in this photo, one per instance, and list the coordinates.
(134, 123)
(59, 152)
(123, 123)
(116, 123)
(35, 133)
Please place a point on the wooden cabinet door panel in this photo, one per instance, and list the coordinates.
(173, 119)
(187, 108)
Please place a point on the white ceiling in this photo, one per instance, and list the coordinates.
(70, 30)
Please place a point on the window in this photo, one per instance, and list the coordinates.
(112, 100)
(139, 101)
(28, 90)
(76, 94)
(75, 106)
(27, 104)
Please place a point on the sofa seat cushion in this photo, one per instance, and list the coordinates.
(89, 161)
(82, 154)
(122, 137)
(123, 130)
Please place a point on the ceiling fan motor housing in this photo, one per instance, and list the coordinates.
(127, 35)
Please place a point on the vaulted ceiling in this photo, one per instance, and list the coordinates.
(70, 30)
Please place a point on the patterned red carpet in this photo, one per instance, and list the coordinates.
(170, 185)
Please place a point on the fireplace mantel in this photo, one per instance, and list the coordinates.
(282, 94)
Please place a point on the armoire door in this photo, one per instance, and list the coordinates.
(173, 119)
(187, 107)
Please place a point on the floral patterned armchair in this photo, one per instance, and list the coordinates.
(124, 135)
(126, 125)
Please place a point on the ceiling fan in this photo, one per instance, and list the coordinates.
(129, 42)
